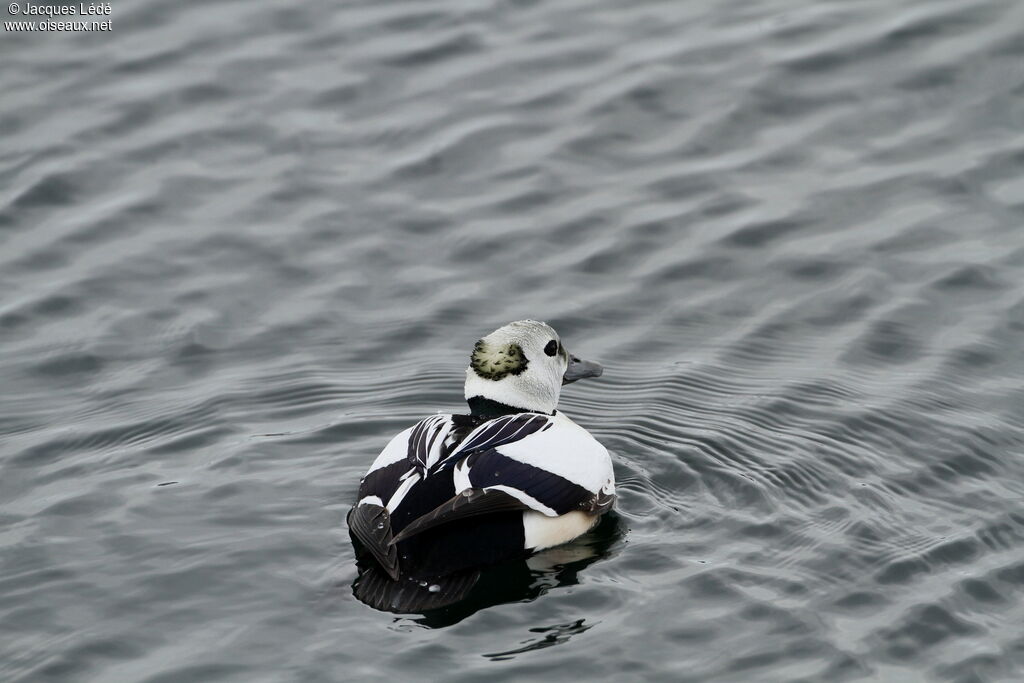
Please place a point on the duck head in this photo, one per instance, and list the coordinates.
(522, 366)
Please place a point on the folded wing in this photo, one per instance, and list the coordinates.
(489, 481)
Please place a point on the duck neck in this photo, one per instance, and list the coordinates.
(490, 409)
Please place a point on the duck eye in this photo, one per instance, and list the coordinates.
(552, 348)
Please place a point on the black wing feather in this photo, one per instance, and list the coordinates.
(371, 525)
(547, 488)
(469, 503)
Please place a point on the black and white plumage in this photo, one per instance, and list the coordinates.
(456, 492)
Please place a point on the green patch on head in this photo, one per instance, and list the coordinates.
(491, 361)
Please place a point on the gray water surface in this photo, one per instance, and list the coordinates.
(242, 244)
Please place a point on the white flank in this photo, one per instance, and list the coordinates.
(541, 531)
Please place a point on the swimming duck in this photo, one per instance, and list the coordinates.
(513, 476)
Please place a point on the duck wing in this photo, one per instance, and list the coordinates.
(468, 503)
(471, 500)
(489, 481)
(371, 525)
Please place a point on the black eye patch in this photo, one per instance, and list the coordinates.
(552, 348)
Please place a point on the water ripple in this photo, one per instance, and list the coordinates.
(242, 246)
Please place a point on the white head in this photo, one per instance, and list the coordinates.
(524, 365)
